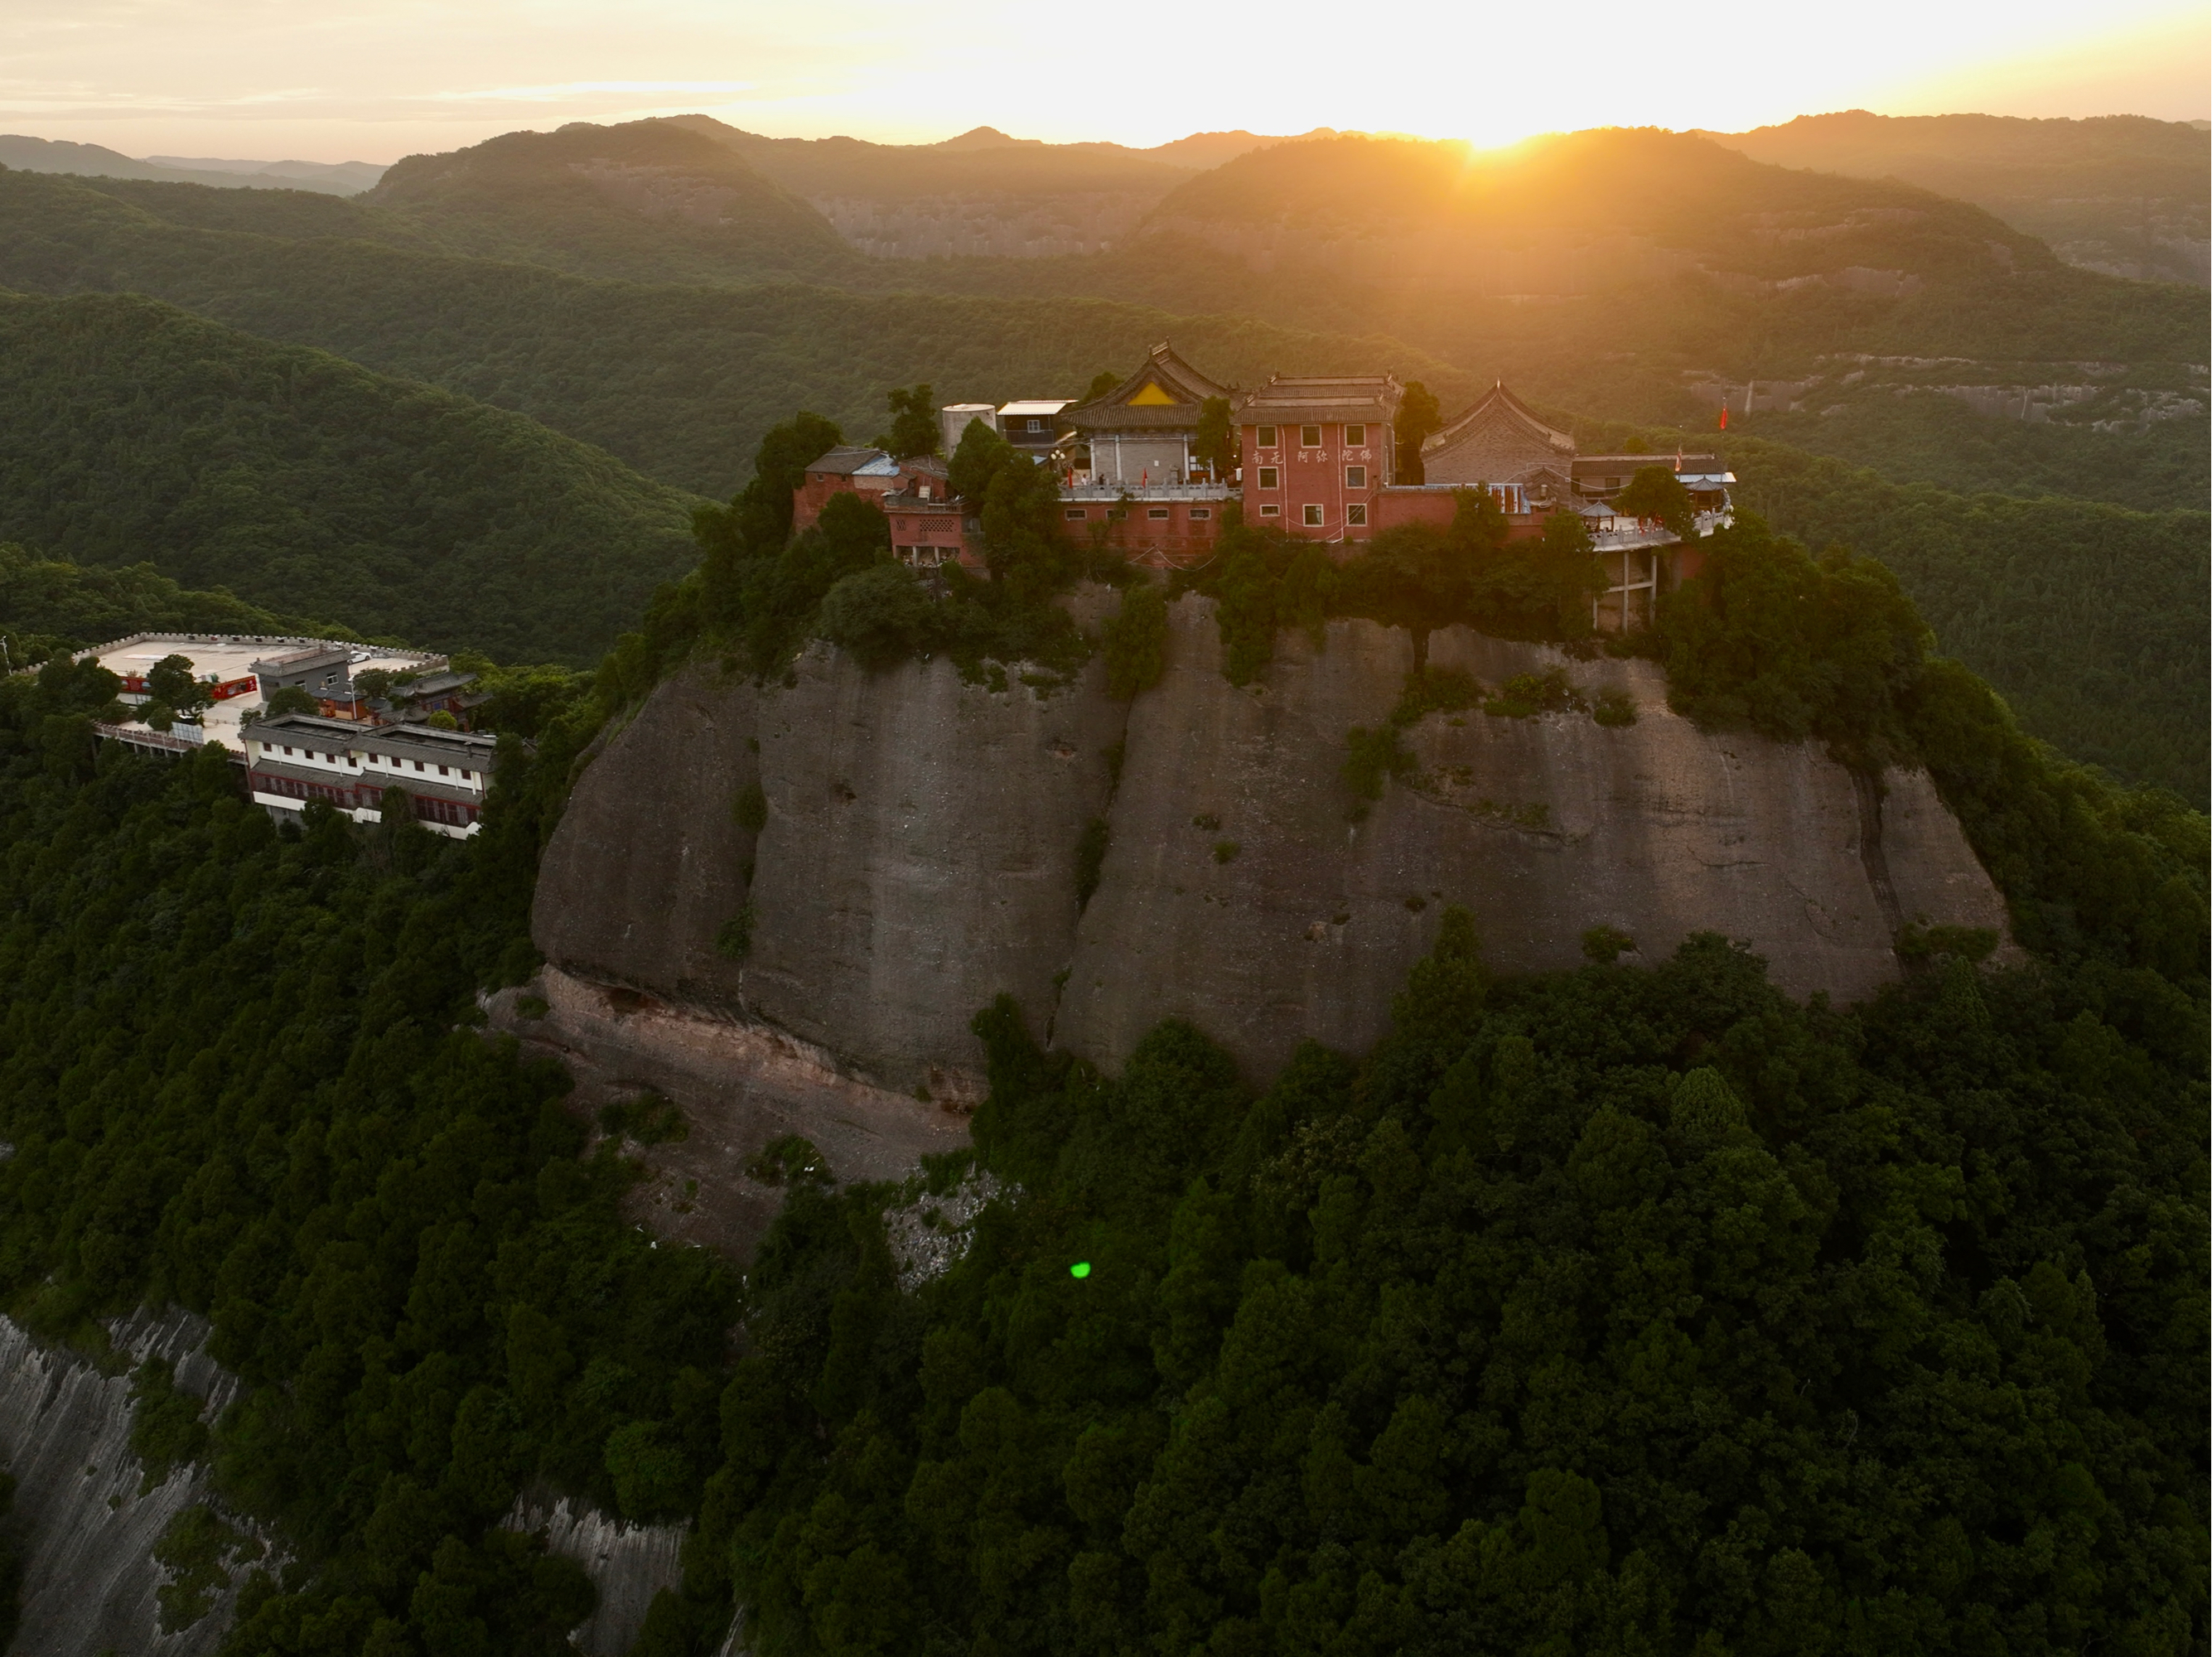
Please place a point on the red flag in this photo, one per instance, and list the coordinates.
(1723, 416)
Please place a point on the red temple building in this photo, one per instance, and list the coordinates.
(1317, 459)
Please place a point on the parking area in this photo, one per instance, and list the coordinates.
(226, 659)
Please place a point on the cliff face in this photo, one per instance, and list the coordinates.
(919, 853)
(90, 1579)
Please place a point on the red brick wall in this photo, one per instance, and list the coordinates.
(1316, 476)
(1178, 541)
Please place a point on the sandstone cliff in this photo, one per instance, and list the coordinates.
(918, 856)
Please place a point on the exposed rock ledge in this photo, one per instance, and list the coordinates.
(919, 857)
(90, 1579)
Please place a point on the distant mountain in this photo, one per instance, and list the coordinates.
(2121, 193)
(652, 200)
(344, 178)
(980, 194)
(1210, 149)
(132, 432)
(60, 155)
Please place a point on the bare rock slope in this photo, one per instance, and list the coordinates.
(917, 854)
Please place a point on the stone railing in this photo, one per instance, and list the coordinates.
(1149, 492)
(1651, 534)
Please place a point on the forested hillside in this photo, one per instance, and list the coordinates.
(49, 606)
(683, 382)
(1704, 273)
(2092, 619)
(1930, 438)
(680, 382)
(2120, 193)
(650, 201)
(1634, 1309)
(133, 433)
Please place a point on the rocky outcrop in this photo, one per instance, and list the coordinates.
(627, 1564)
(1239, 895)
(741, 1083)
(919, 857)
(91, 1578)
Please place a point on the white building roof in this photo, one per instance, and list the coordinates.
(1035, 405)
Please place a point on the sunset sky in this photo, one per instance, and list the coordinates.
(372, 80)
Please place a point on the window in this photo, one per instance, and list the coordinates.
(443, 772)
(1075, 512)
(1356, 514)
(1271, 477)
(287, 749)
(418, 765)
(1200, 513)
(1117, 513)
(1156, 514)
(465, 776)
(1355, 478)
(1313, 516)
(1264, 437)
(1036, 426)
(1309, 437)
(1355, 437)
(1270, 512)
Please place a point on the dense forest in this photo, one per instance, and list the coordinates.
(1938, 439)
(1636, 1308)
(679, 382)
(49, 606)
(131, 432)
(2091, 619)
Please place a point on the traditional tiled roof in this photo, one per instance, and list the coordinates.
(1136, 404)
(847, 459)
(1499, 410)
(1496, 442)
(1291, 399)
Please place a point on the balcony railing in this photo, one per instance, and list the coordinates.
(1148, 491)
(1656, 535)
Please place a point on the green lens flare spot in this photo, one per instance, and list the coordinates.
(1080, 1269)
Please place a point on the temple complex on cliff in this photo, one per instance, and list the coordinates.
(1318, 456)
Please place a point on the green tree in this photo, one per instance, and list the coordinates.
(1419, 419)
(880, 614)
(289, 699)
(1136, 640)
(170, 680)
(1657, 493)
(978, 457)
(1215, 445)
(914, 430)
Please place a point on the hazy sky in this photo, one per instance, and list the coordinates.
(373, 79)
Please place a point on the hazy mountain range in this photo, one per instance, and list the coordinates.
(2124, 195)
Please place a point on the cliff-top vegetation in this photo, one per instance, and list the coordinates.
(1630, 1308)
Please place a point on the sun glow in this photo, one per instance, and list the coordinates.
(379, 78)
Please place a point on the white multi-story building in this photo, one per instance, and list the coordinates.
(297, 757)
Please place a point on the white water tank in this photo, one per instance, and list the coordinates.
(953, 418)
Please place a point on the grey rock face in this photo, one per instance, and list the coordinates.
(650, 860)
(1543, 827)
(918, 856)
(90, 1577)
(627, 1564)
(919, 847)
